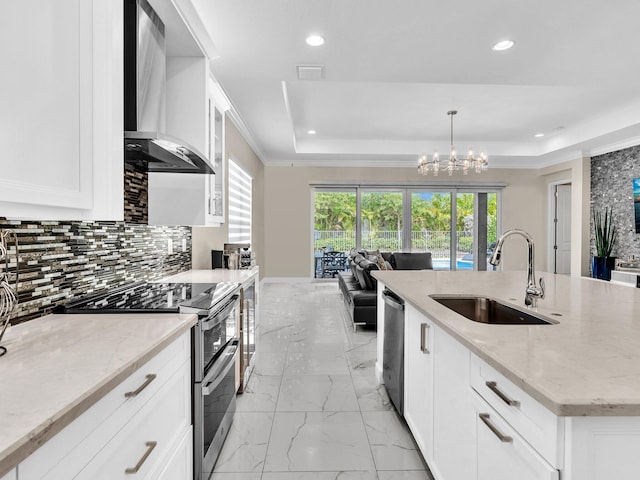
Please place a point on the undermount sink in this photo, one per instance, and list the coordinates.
(489, 310)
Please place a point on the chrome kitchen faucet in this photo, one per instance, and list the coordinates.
(533, 291)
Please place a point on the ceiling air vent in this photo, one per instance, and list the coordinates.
(310, 72)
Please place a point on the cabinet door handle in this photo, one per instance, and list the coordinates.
(149, 378)
(150, 446)
(493, 386)
(485, 417)
(424, 340)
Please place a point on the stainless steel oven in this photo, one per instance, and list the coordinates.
(214, 403)
(215, 351)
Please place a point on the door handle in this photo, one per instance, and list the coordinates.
(493, 386)
(424, 340)
(150, 446)
(149, 378)
(485, 417)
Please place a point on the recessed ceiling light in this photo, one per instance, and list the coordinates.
(315, 40)
(503, 45)
(311, 132)
(538, 135)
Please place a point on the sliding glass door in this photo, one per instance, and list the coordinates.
(459, 234)
(381, 220)
(334, 227)
(431, 226)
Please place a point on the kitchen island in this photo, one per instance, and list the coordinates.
(59, 366)
(570, 391)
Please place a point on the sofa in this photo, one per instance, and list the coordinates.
(359, 288)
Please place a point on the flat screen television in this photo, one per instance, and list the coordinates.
(636, 202)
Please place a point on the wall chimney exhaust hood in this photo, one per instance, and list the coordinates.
(145, 146)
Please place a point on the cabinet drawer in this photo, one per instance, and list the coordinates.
(81, 440)
(149, 438)
(537, 425)
(180, 465)
(502, 453)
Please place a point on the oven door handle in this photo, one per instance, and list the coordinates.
(218, 317)
(217, 373)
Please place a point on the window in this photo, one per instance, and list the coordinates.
(457, 225)
(239, 204)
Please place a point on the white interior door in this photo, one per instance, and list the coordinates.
(563, 229)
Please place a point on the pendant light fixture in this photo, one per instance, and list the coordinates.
(433, 165)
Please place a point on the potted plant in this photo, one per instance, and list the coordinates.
(605, 236)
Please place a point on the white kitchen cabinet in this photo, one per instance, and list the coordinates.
(151, 405)
(61, 120)
(543, 430)
(150, 438)
(419, 353)
(195, 113)
(454, 426)
(12, 475)
(602, 448)
(502, 453)
(180, 465)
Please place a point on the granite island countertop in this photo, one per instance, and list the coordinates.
(587, 364)
(58, 366)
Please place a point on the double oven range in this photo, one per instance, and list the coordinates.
(214, 350)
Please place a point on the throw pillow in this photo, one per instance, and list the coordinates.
(382, 264)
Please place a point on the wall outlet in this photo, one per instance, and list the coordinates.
(169, 246)
(184, 245)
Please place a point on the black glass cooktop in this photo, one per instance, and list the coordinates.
(146, 297)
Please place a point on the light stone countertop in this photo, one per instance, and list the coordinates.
(588, 364)
(212, 276)
(58, 366)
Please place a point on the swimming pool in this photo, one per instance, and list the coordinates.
(444, 264)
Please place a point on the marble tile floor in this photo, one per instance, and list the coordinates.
(313, 409)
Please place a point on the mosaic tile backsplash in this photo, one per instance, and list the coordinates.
(611, 186)
(61, 261)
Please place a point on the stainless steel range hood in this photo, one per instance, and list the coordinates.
(144, 90)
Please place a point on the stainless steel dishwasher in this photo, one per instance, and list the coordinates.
(393, 349)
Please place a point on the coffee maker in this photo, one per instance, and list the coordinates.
(238, 255)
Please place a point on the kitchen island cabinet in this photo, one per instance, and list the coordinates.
(12, 475)
(110, 388)
(535, 401)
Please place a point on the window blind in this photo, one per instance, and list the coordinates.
(239, 204)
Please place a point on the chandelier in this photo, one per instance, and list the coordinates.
(433, 166)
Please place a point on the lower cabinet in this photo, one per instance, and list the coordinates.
(418, 374)
(141, 429)
(463, 428)
(454, 428)
(472, 423)
(12, 475)
(180, 465)
(502, 453)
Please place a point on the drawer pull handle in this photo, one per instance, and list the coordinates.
(493, 386)
(424, 331)
(149, 378)
(150, 446)
(486, 420)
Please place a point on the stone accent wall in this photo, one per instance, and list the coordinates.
(61, 261)
(611, 186)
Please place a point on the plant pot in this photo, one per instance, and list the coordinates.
(601, 267)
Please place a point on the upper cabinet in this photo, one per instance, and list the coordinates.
(61, 117)
(195, 112)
